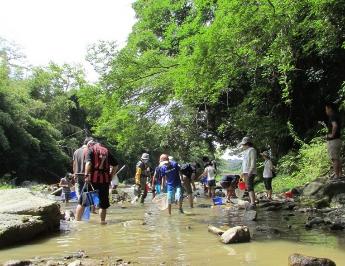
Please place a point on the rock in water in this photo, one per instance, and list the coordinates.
(215, 230)
(250, 215)
(312, 188)
(301, 260)
(18, 263)
(24, 216)
(237, 234)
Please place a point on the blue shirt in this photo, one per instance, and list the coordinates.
(172, 173)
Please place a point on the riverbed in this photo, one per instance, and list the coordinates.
(143, 234)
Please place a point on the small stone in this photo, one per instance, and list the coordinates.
(250, 215)
(188, 227)
(301, 260)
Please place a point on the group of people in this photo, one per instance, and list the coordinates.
(94, 166)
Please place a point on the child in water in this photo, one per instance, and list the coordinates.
(66, 184)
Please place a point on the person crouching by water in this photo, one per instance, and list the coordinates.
(141, 177)
(171, 178)
(229, 182)
(268, 174)
(99, 161)
(249, 168)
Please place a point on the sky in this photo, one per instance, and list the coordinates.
(61, 30)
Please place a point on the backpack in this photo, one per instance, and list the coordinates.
(101, 167)
(186, 169)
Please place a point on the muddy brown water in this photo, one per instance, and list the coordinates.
(183, 239)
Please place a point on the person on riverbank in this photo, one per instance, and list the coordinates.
(99, 161)
(171, 178)
(249, 168)
(141, 176)
(210, 173)
(187, 172)
(79, 166)
(66, 184)
(268, 174)
(334, 143)
(229, 182)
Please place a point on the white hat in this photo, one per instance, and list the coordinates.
(145, 156)
(246, 140)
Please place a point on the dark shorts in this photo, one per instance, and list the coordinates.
(250, 182)
(103, 190)
(268, 183)
(211, 183)
(187, 185)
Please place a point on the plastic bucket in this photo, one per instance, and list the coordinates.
(217, 201)
(288, 194)
(95, 198)
(86, 213)
(73, 195)
(242, 185)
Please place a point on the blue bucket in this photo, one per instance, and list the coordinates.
(95, 198)
(73, 195)
(87, 213)
(217, 201)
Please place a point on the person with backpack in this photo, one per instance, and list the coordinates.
(187, 171)
(156, 182)
(268, 174)
(99, 161)
(171, 178)
(141, 176)
(249, 168)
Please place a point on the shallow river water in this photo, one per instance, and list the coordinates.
(183, 239)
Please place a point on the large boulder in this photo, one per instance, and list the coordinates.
(301, 260)
(24, 215)
(237, 234)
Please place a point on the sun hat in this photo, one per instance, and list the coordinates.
(245, 141)
(145, 156)
(265, 153)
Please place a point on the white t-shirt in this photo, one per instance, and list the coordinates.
(211, 172)
(268, 166)
(249, 161)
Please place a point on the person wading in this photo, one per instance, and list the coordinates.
(249, 168)
(171, 178)
(334, 142)
(97, 172)
(141, 176)
(187, 171)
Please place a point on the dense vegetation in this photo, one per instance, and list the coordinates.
(193, 73)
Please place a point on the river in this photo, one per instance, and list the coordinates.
(183, 239)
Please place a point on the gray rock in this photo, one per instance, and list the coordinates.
(18, 263)
(338, 200)
(237, 234)
(314, 221)
(25, 216)
(250, 215)
(312, 188)
(334, 188)
(301, 260)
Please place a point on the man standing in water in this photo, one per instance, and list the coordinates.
(79, 166)
(333, 138)
(99, 161)
(171, 177)
(141, 176)
(249, 168)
